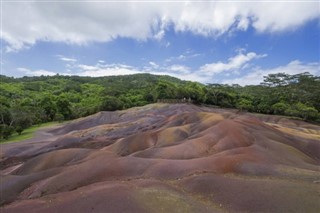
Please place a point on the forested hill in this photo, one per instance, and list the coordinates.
(32, 100)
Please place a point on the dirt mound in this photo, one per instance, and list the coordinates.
(166, 157)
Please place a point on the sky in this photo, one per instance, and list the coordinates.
(226, 42)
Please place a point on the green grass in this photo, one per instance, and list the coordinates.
(27, 133)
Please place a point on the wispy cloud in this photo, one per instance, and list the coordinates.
(66, 59)
(183, 57)
(153, 65)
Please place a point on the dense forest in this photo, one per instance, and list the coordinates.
(28, 101)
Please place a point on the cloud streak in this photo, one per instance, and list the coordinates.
(66, 59)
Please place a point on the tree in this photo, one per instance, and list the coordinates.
(6, 122)
(303, 111)
(5, 131)
(245, 104)
(195, 91)
(49, 107)
(21, 117)
(279, 108)
(64, 107)
(213, 96)
(5, 115)
(263, 107)
(59, 117)
(46, 98)
(111, 103)
(22, 122)
(276, 80)
(165, 90)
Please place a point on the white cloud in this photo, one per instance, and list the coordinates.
(66, 59)
(183, 57)
(154, 65)
(87, 67)
(25, 23)
(106, 70)
(280, 16)
(87, 70)
(178, 68)
(39, 72)
(292, 68)
(234, 63)
(253, 76)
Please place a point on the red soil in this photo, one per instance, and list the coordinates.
(166, 158)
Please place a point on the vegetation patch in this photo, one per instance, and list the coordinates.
(27, 133)
(29, 101)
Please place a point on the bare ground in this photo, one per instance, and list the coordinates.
(165, 158)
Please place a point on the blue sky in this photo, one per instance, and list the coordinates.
(209, 41)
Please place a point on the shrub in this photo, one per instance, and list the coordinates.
(279, 108)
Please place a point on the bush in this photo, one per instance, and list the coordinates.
(245, 104)
(303, 111)
(279, 108)
(5, 131)
(111, 103)
(59, 117)
(263, 108)
(22, 122)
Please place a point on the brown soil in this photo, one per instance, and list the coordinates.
(165, 158)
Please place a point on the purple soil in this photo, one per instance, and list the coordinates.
(162, 158)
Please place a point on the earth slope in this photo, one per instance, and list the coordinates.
(166, 158)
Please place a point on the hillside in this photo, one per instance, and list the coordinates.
(33, 100)
(164, 158)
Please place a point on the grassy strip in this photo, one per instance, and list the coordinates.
(27, 133)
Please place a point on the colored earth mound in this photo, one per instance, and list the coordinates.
(166, 158)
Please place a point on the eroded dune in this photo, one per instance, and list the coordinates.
(166, 158)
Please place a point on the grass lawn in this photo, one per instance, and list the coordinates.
(27, 133)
